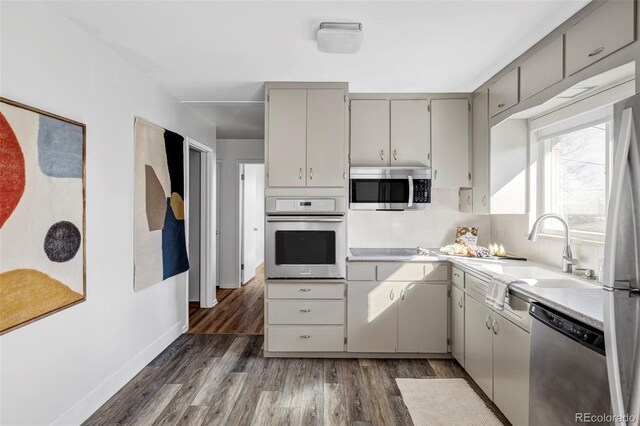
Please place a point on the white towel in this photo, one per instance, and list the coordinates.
(498, 291)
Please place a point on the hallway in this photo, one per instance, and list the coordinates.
(239, 311)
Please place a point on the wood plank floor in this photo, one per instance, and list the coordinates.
(239, 311)
(224, 380)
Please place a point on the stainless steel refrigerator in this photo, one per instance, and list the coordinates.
(621, 269)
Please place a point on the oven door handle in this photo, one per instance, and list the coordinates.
(304, 219)
(410, 202)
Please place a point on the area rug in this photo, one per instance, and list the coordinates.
(444, 402)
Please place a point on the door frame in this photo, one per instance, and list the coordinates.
(240, 216)
(208, 264)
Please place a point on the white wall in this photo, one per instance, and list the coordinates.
(430, 228)
(231, 152)
(63, 367)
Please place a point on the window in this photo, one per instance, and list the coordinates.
(576, 176)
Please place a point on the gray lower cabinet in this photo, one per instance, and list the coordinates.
(478, 344)
(457, 324)
(422, 318)
(372, 316)
(497, 358)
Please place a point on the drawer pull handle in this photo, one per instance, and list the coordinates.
(395, 155)
(382, 154)
(300, 173)
(305, 310)
(501, 105)
(305, 336)
(495, 327)
(305, 289)
(484, 201)
(487, 322)
(311, 173)
(456, 275)
(460, 302)
(597, 51)
(392, 295)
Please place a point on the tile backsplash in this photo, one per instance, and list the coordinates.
(432, 228)
(513, 232)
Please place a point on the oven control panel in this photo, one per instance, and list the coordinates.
(305, 205)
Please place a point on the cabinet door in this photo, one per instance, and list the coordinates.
(369, 133)
(511, 375)
(478, 345)
(372, 316)
(605, 30)
(287, 144)
(457, 324)
(480, 169)
(326, 138)
(410, 133)
(422, 318)
(450, 142)
(504, 93)
(543, 69)
(466, 201)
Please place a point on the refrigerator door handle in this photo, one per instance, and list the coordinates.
(619, 169)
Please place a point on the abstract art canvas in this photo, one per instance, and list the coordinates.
(160, 249)
(42, 214)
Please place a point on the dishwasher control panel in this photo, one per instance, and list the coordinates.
(581, 333)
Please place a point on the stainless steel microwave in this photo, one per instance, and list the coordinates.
(389, 188)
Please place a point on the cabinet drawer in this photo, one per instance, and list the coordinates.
(303, 290)
(503, 93)
(318, 338)
(393, 271)
(517, 311)
(457, 277)
(305, 311)
(436, 272)
(542, 70)
(607, 29)
(361, 272)
(476, 286)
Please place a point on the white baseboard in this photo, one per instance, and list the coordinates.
(229, 286)
(112, 384)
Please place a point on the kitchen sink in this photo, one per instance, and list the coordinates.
(539, 277)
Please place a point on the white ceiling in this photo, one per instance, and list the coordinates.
(225, 51)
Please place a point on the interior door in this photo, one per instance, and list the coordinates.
(372, 316)
(195, 224)
(450, 142)
(326, 138)
(287, 134)
(478, 344)
(422, 318)
(218, 218)
(410, 133)
(370, 123)
(249, 225)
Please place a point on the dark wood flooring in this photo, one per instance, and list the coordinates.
(224, 380)
(239, 311)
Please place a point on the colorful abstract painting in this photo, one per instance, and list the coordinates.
(160, 248)
(42, 214)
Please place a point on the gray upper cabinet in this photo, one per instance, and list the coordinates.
(480, 157)
(410, 133)
(325, 138)
(504, 92)
(450, 142)
(306, 137)
(287, 137)
(607, 29)
(543, 69)
(369, 132)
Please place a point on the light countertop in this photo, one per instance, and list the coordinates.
(584, 303)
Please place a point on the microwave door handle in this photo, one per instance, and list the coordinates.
(304, 219)
(410, 203)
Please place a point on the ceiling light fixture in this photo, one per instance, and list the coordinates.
(339, 37)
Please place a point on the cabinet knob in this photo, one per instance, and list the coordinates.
(305, 310)
(395, 155)
(435, 174)
(429, 156)
(311, 173)
(487, 322)
(305, 289)
(382, 154)
(595, 52)
(501, 105)
(300, 173)
(495, 327)
(305, 336)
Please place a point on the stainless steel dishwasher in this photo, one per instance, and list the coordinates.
(568, 371)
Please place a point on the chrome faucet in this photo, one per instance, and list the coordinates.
(567, 257)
